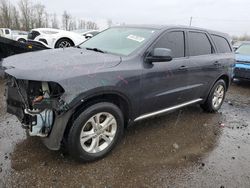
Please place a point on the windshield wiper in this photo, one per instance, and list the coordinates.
(96, 50)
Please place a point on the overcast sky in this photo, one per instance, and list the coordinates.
(231, 16)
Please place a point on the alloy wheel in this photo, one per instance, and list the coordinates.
(64, 44)
(218, 96)
(98, 132)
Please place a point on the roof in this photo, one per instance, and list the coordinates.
(165, 27)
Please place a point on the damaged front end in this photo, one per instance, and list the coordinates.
(36, 104)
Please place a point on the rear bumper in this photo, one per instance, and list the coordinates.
(242, 71)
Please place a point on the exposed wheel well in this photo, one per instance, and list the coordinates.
(226, 79)
(112, 98)
(65, 38)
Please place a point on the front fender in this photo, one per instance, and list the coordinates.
(53, 141)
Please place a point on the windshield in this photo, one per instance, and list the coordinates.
(244, 49)
(121, 41)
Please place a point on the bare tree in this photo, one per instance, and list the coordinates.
(54, 21)
(91, 25)
(81, 24)
(72, 25)
(25, 7)
(66, 17)
(5, 14)
(39, 15)
(46, 20)
(27, 16)
(15, 18)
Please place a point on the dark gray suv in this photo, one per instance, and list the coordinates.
(84, 97)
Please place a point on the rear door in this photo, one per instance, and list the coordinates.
(225, 54)
(164, 82)
(202, 65)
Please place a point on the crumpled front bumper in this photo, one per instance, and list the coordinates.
(16, 97)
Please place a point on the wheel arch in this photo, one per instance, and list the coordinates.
(224, 77)
(113, 97)
(21, 39)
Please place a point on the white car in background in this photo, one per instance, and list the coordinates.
(55, 38)
(20, 36)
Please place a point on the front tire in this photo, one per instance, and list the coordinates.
(216, 97)
(22, 40)
(95, 132)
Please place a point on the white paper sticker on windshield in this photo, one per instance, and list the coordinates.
(136, 38)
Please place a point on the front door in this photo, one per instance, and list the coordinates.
(164, 82)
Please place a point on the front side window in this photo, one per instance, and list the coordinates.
(244, 49)
(221, 44)
(174, 41)
(121, 41)
(199, 44)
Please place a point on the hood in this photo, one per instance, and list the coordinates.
(58, 64)
(242, 58)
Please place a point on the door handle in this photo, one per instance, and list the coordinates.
(183, 67)
(217, 63)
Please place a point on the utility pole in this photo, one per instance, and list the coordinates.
(190, 22)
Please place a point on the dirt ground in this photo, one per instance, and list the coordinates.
(187, 148)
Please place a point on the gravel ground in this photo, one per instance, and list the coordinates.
(187, 148)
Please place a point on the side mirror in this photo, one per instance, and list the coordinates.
(160, 55)
(88, 36)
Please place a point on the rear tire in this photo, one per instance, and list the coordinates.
(95, 132)
(216, 97)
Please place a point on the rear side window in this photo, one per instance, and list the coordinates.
(221, 44)
(199, 44)
(175, 41)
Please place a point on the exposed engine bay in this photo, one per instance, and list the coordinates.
(35, 104)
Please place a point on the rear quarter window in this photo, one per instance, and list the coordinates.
(221, 44)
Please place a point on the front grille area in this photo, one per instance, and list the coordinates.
(33, 34)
